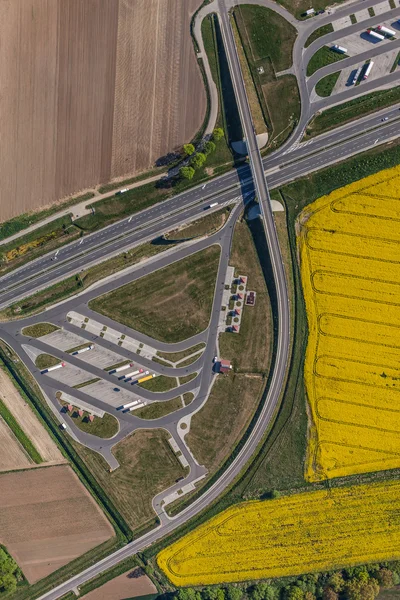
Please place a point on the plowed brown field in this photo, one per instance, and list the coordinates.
(48, 518)
(91, 90)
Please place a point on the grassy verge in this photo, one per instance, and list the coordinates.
(73, 285)
(324, 87)
(85, 383)
(187, 398)
(255, 107)
(20, 434)
(354, 109)
(208, 225)
(105, 427)
(32, 245)
(250, 350)
(119, 569)
(130, 487)
(162, 383)
(188, 361)
(187, 378)
(172, 304)
(267, 54)
(17, 224)
(44, 361)
(178, 356)
(159, 409)
(396, 63)
(317, 33)
(116, 185)
(323, 57)
(39, 329)
(222, 155)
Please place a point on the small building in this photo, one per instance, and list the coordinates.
(80, 412)
(69, 407)
(250, 298)
(239, 296)
(225, 366)
(91, 418)
(235, 328)
(237, 311)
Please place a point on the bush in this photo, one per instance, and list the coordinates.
(188, 149)
(198, 160)
(209, 147)
(218, 134)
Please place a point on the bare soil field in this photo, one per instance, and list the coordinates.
(160, 99)
(90, 91)
(13, 455)
(127, 585)
(48, 518)
(57, 61)
(28, 421)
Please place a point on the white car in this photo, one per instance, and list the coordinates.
(215, 359)
(385, 119)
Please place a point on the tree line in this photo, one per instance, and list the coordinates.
(198, 159)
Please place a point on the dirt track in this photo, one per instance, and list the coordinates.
(47, 519)
(62, 64)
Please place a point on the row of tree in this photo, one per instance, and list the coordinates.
(356, 583)
(10, 574)
(198, 159)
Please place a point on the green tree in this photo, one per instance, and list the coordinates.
(295, 593)
(233, 593)
(9, 572)
(186, 172)
(187, 594)
(198, 160)
(188, 149)
(218, 134)
(209, 147)
(336, 581)
(213, 593)
(358, 589)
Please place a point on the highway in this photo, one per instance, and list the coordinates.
(290, 162)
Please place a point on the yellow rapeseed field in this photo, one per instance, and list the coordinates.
(315, 531)
(350, 266)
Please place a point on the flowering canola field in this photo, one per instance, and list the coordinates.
(350, 266)
(315, 531)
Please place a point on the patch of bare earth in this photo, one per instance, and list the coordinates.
(28, 421)
(127, 585)
(160, 100)
(57, 64)
(12, 455)
(48, 519)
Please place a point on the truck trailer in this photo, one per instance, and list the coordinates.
(368, 70)
(143, 379)
(118, 369)
(339, 49)
(90, 347)
(386, 30)
(356, 75)
(374, 34)
(59, 366)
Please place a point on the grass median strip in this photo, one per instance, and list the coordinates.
(155, 410)
(39, 329)
(324, 87)
(323, 57)
(317, 33)
(178, 356)
(162, 383)
(44, 361)
(348, 111)
(19, 434)
(208, 225)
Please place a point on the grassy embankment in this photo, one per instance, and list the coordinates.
(39, 329)
(17, 224)
(208, 225)
(317, 33)
(348, 111)
(267, 40)
(324, 87)
(323, 57)
(170, 305)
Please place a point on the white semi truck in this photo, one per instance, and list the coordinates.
(368, 70)
(339, 49)
(386, 30)
(374, 34)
